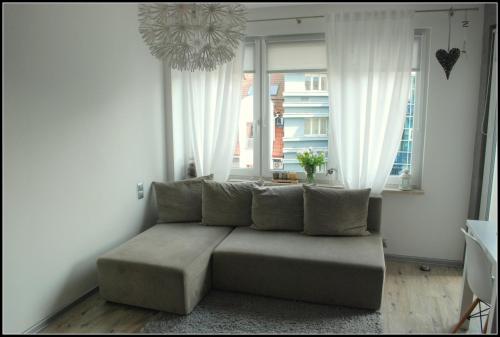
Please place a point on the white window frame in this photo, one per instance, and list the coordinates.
(255, 170)
(419, 114)
(263, 127)
(266, 147)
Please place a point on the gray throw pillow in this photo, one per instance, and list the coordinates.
(227, 203)
(278, 208)
(179, 201)
(330, 211)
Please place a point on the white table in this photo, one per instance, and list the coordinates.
(486, 233)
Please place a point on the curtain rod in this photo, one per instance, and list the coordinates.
(322, 16)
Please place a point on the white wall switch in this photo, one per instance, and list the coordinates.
(140, 191)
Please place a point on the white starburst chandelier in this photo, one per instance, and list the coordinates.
(193, 36)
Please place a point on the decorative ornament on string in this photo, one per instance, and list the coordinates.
(465, 25)
(447, 59)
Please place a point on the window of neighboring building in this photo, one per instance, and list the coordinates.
(316, 126)
(315, 82)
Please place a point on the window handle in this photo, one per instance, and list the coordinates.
(256, 126)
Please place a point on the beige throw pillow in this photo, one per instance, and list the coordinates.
(278, 208)
(227, 203)
(179, 201)
(330, 211)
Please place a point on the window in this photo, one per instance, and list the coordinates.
(285, 107)
(284, 104)
(404, 155)
(304, 115)
(410, 149)
(298, 67)
(315, 82)
(315, 126)
(243, 157)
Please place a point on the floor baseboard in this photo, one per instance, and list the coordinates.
(44, 322)
(424, 260)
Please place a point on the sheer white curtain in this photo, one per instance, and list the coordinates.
(210, 103)
(369, 65)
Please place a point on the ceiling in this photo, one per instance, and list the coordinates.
(252, 5)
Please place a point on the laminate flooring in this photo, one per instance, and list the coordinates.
(414, 301)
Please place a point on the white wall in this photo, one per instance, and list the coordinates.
(493, 211)
(82, 124)
(427, 225)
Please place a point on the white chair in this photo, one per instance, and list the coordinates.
(479, 277)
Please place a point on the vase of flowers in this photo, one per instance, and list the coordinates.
(310, 160)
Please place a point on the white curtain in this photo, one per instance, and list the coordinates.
(369, 65)
(210, 103)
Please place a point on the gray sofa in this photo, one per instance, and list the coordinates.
(171, 266)
(167, 267)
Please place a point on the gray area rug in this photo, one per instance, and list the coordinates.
(234, 313)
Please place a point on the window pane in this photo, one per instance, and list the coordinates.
(403, 158)
(315, 83)
(307, 126)
(305, 118)
(316, 122)
(324, 126)
(243, 153)
(308, 83)
(323, 82)
(276, 110)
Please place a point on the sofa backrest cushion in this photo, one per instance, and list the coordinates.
(374, 214)
(329, 211)
(278, 208)
(179, 201)
(227, 203)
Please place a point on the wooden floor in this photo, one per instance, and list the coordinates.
(414, 302)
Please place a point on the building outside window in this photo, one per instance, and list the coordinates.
(305, 116)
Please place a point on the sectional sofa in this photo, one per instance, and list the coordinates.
(307, 243)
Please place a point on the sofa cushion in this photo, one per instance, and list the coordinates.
(330, 211)
(179, 201)
(227, 203)
(278, 208)
(167, 267)
(333, 270)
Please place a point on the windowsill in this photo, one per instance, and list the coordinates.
(306, 92)
(395, 189)
(387, 189)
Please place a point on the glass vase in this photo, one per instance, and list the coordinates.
(310, 174)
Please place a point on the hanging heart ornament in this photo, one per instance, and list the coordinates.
(447, 59)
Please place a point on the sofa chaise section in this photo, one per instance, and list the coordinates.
(322, 269)
(167, 267)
